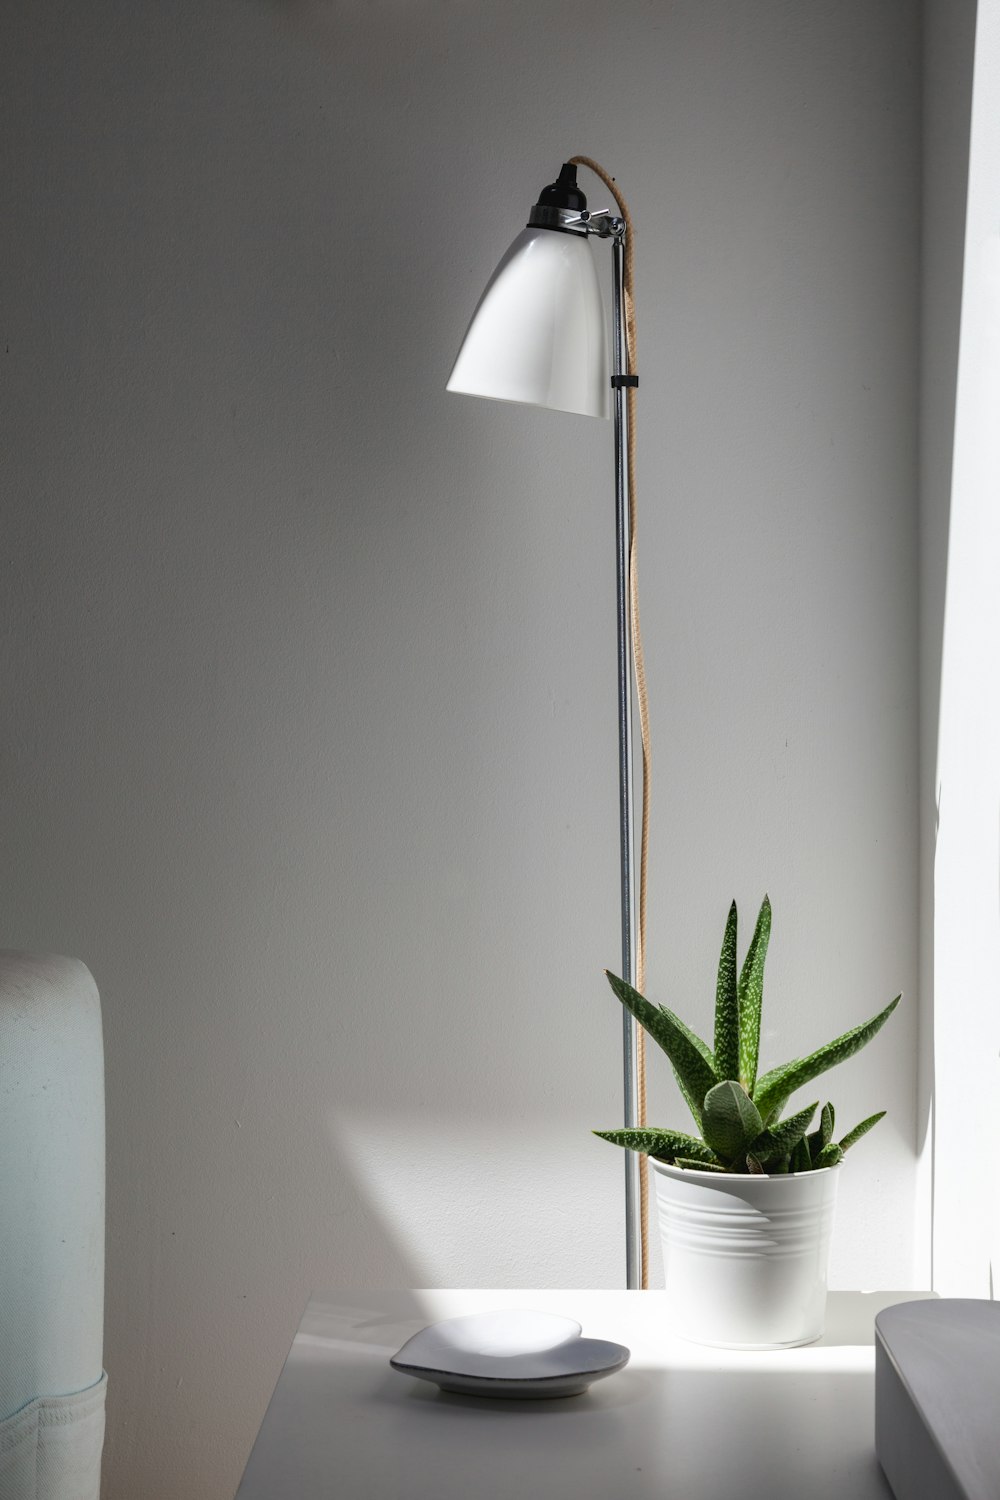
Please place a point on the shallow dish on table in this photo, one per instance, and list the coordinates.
(513, 1353)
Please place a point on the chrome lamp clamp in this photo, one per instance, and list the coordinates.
(601, 222)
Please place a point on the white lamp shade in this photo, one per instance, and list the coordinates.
(539, 333)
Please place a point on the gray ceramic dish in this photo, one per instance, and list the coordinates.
(510, 1353)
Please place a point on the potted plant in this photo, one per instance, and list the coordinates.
(746, 1205)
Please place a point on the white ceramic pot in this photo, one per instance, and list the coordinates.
(745, 1258)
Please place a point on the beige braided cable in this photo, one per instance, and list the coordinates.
(639, 664)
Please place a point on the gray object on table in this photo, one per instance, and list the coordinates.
(937, 1399)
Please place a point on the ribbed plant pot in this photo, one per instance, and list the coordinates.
(745, 1258)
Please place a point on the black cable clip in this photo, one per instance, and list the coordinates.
(620, 381)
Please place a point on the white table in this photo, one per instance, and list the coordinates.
(681, 1422)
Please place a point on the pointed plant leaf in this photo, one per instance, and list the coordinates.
(753, 1166)
(775, 1087)
(693, 1104)
(665, 1144)
(698, 1166)
(731, 1120)
(781, 1139)
(860, 1130)
(750, 991)
(830, 1156)
(691, 1059)
(702, 1048)
(727, 1006)
(824, 1134)
(802, 1156)
(826, 1125)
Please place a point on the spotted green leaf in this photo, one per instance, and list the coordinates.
(666, 1144)
(731, 1120)
(776, 1087)
(826, 1120)
(781, 1139)
(690, 1057)
(824, 1135)
(860, 1130)
(727, 1005)
(802, 1155)
(751, 993)
(830, 1156)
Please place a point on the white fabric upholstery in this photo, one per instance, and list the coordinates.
(51, 1449)
(51, 1229)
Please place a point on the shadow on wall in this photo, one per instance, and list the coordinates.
(506, 1209)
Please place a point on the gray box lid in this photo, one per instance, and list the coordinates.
(937, 1402)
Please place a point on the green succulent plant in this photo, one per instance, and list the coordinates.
(738, 1114)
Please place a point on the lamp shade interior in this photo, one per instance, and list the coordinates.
(539, 334)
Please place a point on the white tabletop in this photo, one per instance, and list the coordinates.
(680, 1421)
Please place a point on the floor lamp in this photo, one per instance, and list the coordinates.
(539, 336)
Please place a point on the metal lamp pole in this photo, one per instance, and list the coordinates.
(623, 537)
(609, 226)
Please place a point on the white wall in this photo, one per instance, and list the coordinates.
(949, 28)
(309, 736)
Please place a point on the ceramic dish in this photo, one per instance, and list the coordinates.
(510, 1353)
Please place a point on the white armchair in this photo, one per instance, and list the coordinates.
(51, 1229)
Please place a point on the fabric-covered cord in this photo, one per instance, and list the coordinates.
(640, 680)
